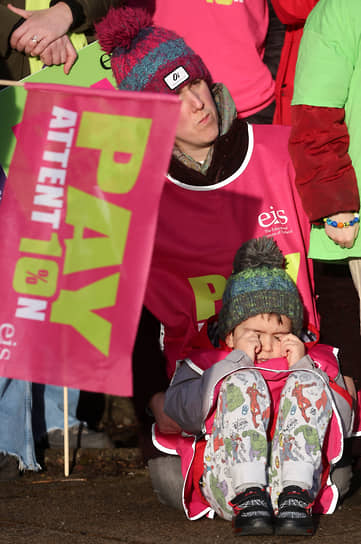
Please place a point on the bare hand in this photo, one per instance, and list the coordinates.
(344, 237)
(292, 348)
(61, 51)
(246, 340)
(164, 422)
(41, 28)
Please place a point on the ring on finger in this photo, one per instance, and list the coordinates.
(34, 39)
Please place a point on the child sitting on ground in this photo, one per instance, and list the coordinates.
(260, 414)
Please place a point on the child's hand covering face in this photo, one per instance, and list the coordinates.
(248, 341)
(292, 348)
(267, 336)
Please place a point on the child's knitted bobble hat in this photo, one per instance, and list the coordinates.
(259, 285)
(147, 57)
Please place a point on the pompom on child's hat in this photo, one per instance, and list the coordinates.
(145, 57)
(259, 285)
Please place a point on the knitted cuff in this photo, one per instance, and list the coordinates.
(76, 10)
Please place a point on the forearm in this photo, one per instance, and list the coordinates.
(325, 177)
(190, 397)
(184, 399)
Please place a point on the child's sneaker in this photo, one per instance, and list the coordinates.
(294, 512)
(253, 512)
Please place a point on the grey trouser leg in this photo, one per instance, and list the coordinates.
(341, 474)
(341, 477)
(167, 480)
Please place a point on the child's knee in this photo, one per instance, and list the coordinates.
(305, 377)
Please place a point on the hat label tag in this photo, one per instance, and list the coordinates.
(176, 78)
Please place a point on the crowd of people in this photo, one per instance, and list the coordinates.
(260, 142)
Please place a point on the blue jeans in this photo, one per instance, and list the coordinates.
(48, 409)
(27, 412)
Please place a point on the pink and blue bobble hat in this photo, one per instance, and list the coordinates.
(145, 57)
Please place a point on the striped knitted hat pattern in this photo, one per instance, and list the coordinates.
(259, 285)
(145, 57)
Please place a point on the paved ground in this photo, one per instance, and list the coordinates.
(108, 499)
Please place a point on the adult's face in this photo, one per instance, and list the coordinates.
(198, 122)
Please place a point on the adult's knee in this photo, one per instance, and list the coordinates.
(167, 480)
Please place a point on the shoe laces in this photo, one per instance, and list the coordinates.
(294, 502)
(254, 498)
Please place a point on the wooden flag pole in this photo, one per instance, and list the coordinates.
(10, 83)
(66, 434)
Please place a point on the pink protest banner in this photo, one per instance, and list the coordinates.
(77, 225)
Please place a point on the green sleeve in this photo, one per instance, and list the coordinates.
(328, 54)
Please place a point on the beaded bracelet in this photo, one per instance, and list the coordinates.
(341, 225)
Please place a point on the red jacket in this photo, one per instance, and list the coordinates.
(325, 177)
(292, 13)
(319, 140)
